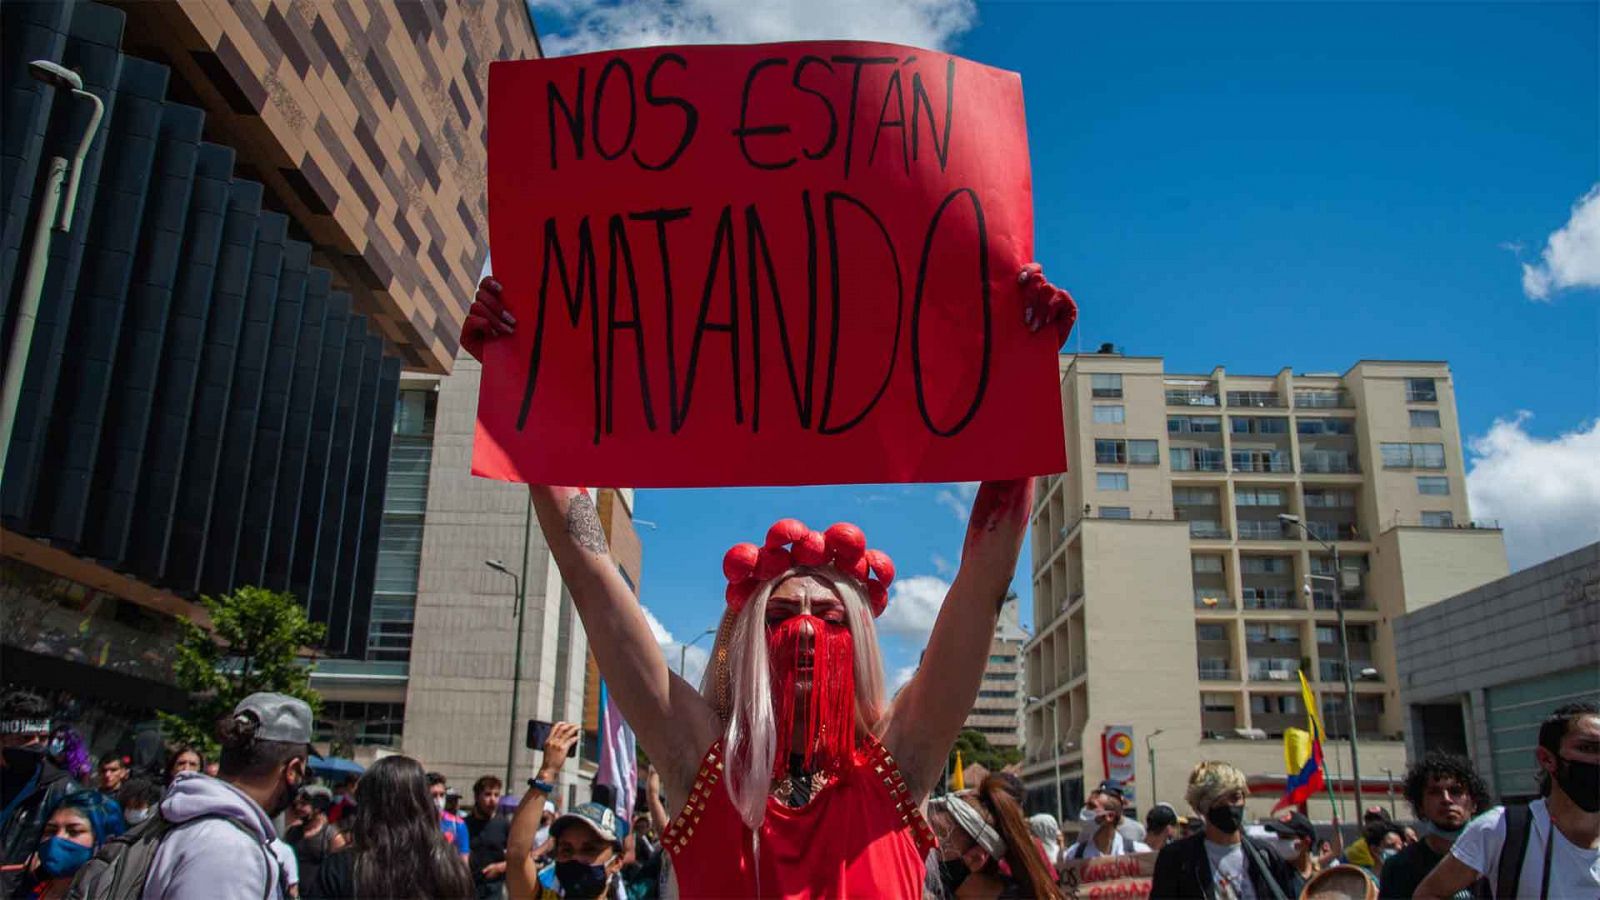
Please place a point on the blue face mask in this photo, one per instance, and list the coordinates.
(59, 857)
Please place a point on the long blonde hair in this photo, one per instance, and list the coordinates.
(741, 658)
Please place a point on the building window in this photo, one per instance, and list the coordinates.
(1412, 456)
(1111, 481)
(1194, 424)
(389, 630)
(1259, 497)
(1211, 631)
(1261, 461)
(1194, 496)
(1144, 453)
(1273, 668)
(1438, 519)
(1216, 703)
(1264, 565)
(1003, 695)
(1421, 390)
(1437, 485)
(1325, 426)
(1110, 452)
(1424, 418)
(360, 723)
(1006, 660)
(1208, 564)
(1329, 498)
(1274, 704)
(1115, 512)
(1109, 414)
(1327, 461)
(1107, 386)
(1319, 399)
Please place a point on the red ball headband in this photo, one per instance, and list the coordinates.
(790, 543)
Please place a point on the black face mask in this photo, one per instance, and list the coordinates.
(579, 879)
(952, 872)
(22, 761)
(1227, 819)
(1580, 781)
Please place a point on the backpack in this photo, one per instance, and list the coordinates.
(120, 868)
(1519, 825)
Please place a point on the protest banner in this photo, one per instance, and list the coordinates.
(764, 264)
(1124, 877)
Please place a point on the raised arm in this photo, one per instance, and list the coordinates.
(929, 712)
(522, 873)
(674, 723)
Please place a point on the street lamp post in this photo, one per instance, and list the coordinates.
(519, 604)
(683, 650)
(1344, 647)
(1151, 750)
(55, 197)
(1055, 752)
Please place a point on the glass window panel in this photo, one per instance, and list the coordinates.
(1146, 453)
(1212, 564)
(1438, 519)
(1424, 418)
(1106, 385)
(1115, 512)
(1110, 452)
(1437, 485)
(1111, 481)
(1428, 456)
(1396, 456)
(1109, 414)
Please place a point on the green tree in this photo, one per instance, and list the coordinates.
(975, 748)
(255, 639)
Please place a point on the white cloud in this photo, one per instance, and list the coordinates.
(913, 605)
(898, 679)
(1571, 256)
(694, 659)
(1545, 493)
(957, 497)
(943, 566)
(586, 26)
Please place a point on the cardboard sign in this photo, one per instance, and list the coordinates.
(1108, 877)
(770, 264)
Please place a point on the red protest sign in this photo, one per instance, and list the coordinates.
(770, 264)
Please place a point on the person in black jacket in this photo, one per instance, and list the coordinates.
(31, 780)
(1221, 863)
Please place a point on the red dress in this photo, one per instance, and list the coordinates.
(860, 836)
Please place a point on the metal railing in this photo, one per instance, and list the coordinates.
(1218, 673)
(1208, 530)
(1333, 531)
(1284, 600)
(1262, 465)
(1191, 398)
(1255, 399)
(1325, 465)
(1322, 400)
(1267, 530)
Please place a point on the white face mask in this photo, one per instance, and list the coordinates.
(135, 816)
(438, 803)
(1288, 849)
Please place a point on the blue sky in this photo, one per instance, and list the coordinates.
(1252, 185)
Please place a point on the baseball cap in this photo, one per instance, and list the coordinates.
(1294, 825)
(1113, 787)
(280, 717)
(598, 817)
(1161, 815)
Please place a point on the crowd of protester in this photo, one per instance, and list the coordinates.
(254, 823)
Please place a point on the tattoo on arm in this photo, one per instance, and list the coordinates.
(583, 524)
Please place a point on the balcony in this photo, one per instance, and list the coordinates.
(1209, 531)
(1323, 599)
(1255, 399)
(1263, 530)
(1190, 459)
(1261, 461)
(1269, 598)
(1336, 399)
(1217, 672)
(1333, 531)
(1191, 398)
(1272, 674)
(1327, 463)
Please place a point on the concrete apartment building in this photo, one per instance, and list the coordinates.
(1479, 671)
(436, 682)
(1168, 594)
(997, 713)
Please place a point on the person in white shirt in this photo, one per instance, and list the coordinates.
(1102, 818)
(1561, 856)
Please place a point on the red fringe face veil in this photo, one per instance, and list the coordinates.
(830, 703)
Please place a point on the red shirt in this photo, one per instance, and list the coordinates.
(861, 835)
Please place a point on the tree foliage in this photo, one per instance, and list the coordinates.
(975, 748)
(255, 638)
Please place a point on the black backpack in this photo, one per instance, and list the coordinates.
(120, 868)
(1519, 826)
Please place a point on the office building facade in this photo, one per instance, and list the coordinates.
(209, 392)
(997, 713)
(1170, 596)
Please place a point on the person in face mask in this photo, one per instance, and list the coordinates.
(138, 798)
(1221, 863)
(1101, 820)
(453, 826)
(221, 832)
(977, 831)
(31, 782)
(588, 856)
(1550, 847)
(72, 832)
(1297, 840)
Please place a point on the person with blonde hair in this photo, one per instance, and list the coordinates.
(1221, 862)
(791, 770)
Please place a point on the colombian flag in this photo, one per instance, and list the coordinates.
(1302, 755)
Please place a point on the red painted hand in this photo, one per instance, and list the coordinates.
(487, 318)
(1045, 305)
